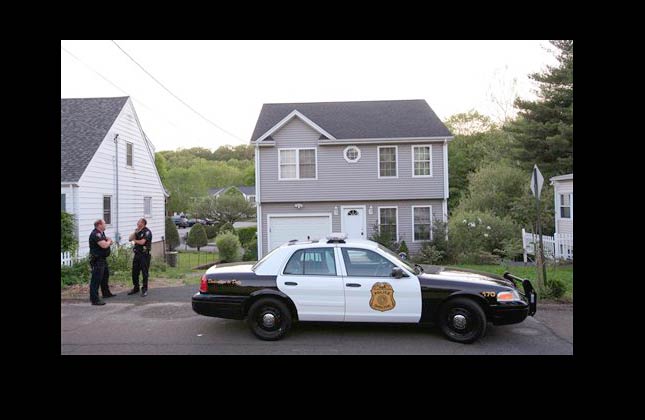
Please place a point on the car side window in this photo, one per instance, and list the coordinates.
(366, 263)
(312, 262)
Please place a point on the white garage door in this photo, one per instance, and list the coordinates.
(303, 228)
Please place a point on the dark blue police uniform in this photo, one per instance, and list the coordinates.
(141, 262)
(100, 271)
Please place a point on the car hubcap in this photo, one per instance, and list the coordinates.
(268, 320)
(459, 321)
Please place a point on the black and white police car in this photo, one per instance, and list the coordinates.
(359, 281)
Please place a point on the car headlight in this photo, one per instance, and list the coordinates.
(508, 296)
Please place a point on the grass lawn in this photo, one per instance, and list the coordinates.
(560, 272)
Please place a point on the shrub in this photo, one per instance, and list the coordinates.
(251, 251)
(404, 248)
(158, 265)
(120, 259)
(78, 273)
(478, 257)
(172, 234)
(228, 245)
(473, 235)
(211, 231)
(197, 236)
(246, 234)
(428, 254)
(555, 289)
(68, 242)
(384, 238)
(226, 227)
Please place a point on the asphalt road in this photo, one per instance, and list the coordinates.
(164, 323)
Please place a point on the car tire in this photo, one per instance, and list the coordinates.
(462, 320)
(269, 319)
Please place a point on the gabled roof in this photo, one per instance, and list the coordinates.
(243, 189)
(84, 123)
(561, 177)
(359, 120)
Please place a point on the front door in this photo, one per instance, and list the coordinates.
(372, 294)
(353, 222)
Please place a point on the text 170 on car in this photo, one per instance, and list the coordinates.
(359, 281)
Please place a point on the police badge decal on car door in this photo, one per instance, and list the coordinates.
(382, 297)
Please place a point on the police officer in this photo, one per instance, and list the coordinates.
(141, 263)
(99, 250)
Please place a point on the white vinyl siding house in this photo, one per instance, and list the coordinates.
(318, 171)
(118, 180)
(563, 196)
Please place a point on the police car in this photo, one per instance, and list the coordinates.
(359, 281)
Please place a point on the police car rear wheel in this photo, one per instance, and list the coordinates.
(462, 320)
(269, 319)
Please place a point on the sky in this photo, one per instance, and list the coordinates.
(228, 81)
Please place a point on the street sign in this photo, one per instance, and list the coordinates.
(540, 181)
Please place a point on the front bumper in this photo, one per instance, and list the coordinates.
(219, 306)
(511, 313)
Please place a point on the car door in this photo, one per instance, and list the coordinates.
(312, 280)
(372, 294)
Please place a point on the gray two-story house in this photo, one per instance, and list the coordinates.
(349, 167)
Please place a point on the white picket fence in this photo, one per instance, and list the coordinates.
(67, 258)
(559, 246)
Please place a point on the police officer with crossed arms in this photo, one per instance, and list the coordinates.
(99, 251)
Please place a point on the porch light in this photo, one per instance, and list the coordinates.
(335, 210)
(370, 210)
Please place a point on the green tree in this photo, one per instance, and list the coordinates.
(197, 236)
(162, 166)
(223, 209)
(68, 242)
(228, 245)
(469, 123)
(544, 127)
(172, 235)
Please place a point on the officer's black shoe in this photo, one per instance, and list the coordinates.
(133, 291)
(109, 296)
(144, 292)
(98, 302)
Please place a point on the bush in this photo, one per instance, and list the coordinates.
(197, 236)
(428, 254)
(158, 265)
(172, 234)
(384, 238)
(251, 251)
(78, 273)
(228, 245)
(120, 259)
(68, 242)
(555, 289)
(226, 227)
(480, 235)
(211, 231)
(246, 234)
(404, 248)
(478, 257)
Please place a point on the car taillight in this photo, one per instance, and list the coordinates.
(203, 286)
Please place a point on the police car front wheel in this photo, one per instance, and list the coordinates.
(462, 320)
(269, 319)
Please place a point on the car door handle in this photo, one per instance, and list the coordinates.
(290, 283)
(352, 285)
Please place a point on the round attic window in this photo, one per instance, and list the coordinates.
(352, 154)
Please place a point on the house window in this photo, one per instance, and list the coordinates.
(107, 209)
(387, 222)
(352, 154)
(387, 162)
(147, 206)
(63, 205)
(297, 164)
(565, 206)
(421, 160)
(129, 151)
(422, 223)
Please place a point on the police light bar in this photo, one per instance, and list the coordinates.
(336, 237)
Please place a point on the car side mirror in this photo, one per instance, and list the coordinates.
(397, 272)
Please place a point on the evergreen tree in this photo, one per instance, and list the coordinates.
(544, 128)
(172, 235)
(197, 236)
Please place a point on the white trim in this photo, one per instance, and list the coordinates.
(559, 205)
(388, 140)
(126, 153)
(445, 210)
(422, 240)
(258, 205)
(147, 215)
(431, 160)
(294, 113)
(270, 215)
(350, 147)
(378, 161)
(297, 149)
(342, 225)
(103, 209)
(446, 185)
(397, 219)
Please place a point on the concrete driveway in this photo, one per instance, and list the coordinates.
(164, 323)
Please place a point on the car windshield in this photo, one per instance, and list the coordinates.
(404, 263)
(266, 257)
